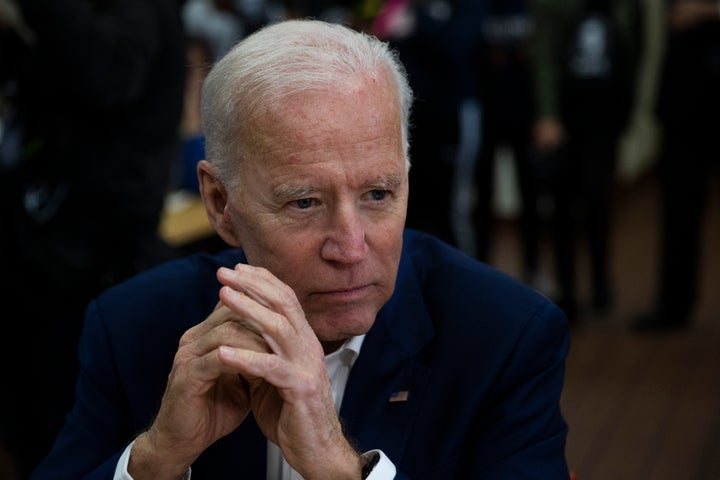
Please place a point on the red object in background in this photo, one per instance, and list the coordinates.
(388, 16)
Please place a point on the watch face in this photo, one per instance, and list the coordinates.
(371, 459)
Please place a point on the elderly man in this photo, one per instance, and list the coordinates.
(329, 342)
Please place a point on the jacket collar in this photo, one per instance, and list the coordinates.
(383, 393)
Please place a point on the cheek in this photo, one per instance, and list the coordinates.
(386, 241)
(286, 255)
(390, 228)
(258, 237)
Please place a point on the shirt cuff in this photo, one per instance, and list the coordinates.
(121, 472)
(384, 469)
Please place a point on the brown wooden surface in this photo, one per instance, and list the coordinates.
(640, 407)
(184, 220)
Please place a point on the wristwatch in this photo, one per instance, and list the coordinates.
(371, 459)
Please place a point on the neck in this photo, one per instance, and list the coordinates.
(332, 346)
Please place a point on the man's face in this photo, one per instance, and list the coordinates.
(322, 202)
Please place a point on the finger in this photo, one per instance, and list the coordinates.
(218, 316)
(271, 326)
(202, 372)
(208, 367)
(271, 368)
(270, 307)
(227, 328)
(258, 283)
(266, 289)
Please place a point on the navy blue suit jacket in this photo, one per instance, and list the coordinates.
(481, 355)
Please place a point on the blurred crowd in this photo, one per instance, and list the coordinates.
(99, 122)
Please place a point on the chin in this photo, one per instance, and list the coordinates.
(334, 328)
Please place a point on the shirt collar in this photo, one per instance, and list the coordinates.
(349, 350)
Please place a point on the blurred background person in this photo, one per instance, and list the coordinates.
(689, 111)
(212, 27)
(222, 23)
(437, 41)
(92, 93)
(505, 95)
(586, 64)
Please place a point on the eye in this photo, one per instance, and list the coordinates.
(378, 194)
(304, 203)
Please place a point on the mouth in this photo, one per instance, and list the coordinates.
(347, 294)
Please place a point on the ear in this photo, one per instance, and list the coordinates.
(215, 198)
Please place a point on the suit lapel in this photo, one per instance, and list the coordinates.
(386, 384)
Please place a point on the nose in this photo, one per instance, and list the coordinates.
(345, 241)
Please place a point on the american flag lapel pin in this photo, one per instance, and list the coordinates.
(399, 396)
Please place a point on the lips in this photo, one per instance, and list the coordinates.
(350, 293)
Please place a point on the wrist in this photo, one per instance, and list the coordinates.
(345, 464)
(147, 460)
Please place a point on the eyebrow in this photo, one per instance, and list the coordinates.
(391, 182)
(292, 191)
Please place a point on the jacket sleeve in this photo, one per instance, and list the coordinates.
(551, 20)
(97, 423)
(525, 405)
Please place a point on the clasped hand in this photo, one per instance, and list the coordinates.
(255, 352)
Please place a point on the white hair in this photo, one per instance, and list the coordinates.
(280, 60)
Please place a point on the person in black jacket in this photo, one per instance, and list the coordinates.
(505, 84)
(92, 93)
(586, 64)
(688, 105)
(437, 42)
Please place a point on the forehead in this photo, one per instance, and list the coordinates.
(356, 107)
(354, 125)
